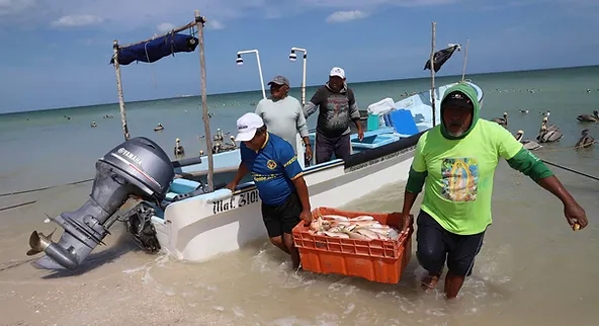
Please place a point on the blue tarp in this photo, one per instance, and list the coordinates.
(157, 49)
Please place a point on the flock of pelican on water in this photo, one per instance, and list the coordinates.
(551, 133)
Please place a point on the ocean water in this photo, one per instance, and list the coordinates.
(533, 270)
(47, 149)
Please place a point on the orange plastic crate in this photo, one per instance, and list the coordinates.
(380, 261)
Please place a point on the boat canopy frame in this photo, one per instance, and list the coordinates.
(156, 48)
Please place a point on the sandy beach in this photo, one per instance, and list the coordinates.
(101, 293)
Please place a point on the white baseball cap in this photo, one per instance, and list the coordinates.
(339, 72)
(247, 125)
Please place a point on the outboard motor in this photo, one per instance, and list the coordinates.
(138, 167)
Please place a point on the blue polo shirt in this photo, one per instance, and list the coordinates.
(272, 167)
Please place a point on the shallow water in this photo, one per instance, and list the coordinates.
(532, 270)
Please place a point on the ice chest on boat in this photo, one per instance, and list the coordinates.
(376, 260)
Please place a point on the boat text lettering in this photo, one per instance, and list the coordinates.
(129, 155)
(248, 198)
(244, 199)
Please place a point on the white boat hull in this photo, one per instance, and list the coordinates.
(199, 228)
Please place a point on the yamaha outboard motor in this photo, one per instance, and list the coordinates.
(138, 167)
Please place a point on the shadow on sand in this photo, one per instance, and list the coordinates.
(124, 244)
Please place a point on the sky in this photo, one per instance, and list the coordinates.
(56, 53)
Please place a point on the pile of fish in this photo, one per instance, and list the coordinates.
(357, 228)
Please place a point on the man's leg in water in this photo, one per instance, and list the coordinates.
(290, 217)
(293, 252)
(280, 221)
(460, 261)
(431, 250)
(273, 226)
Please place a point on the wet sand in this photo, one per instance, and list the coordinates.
(106, 291)
(532, 270)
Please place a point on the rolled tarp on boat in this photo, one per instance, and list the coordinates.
(156, 49)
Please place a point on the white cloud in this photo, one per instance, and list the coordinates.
(165, 27)
(126, 15)
(214, 24)
(365, 4)
(77, 20)
(211, 23)
(345, 16)
(11, 7)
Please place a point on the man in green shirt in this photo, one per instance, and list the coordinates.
(456, 163)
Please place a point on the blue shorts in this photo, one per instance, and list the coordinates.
(437, 245)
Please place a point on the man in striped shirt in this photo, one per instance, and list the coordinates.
(283, 114)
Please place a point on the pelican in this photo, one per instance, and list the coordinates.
(525, 111)
(501, 121)
(550, 127)
(549, 136)
(528, 144)
(159, 127)
(586, 140)
(588, 117)
(93, 124)
(179, 150)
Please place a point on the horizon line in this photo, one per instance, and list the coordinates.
(307, 86)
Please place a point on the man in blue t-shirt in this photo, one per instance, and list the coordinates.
(278, 178)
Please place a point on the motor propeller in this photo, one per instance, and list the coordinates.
(39, 242)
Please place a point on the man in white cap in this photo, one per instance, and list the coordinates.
(278, 178)
(338, 109)
(283, 114)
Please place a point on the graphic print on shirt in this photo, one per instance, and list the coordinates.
(460, 179)
(338, 104)
(336, 116)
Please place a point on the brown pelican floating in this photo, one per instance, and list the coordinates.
(589, 117)
(548, 127)
(549, 136)
(220, 145)
(528, 144)
(501, 121)
(586, 140)
(159, 127)
(179, 150)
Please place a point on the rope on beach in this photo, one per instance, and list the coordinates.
(43, 188)
(571, 170)
(17, 205)
(560, 149)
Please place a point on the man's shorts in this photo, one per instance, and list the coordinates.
(282, 218)
(436, 245)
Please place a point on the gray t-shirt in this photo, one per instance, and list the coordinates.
(337, 110)
(284, 118)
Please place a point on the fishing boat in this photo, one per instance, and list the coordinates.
(201, 227)
(386, 131)
(165, 208)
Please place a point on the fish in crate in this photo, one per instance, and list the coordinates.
(365, 245)
(362, 227)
